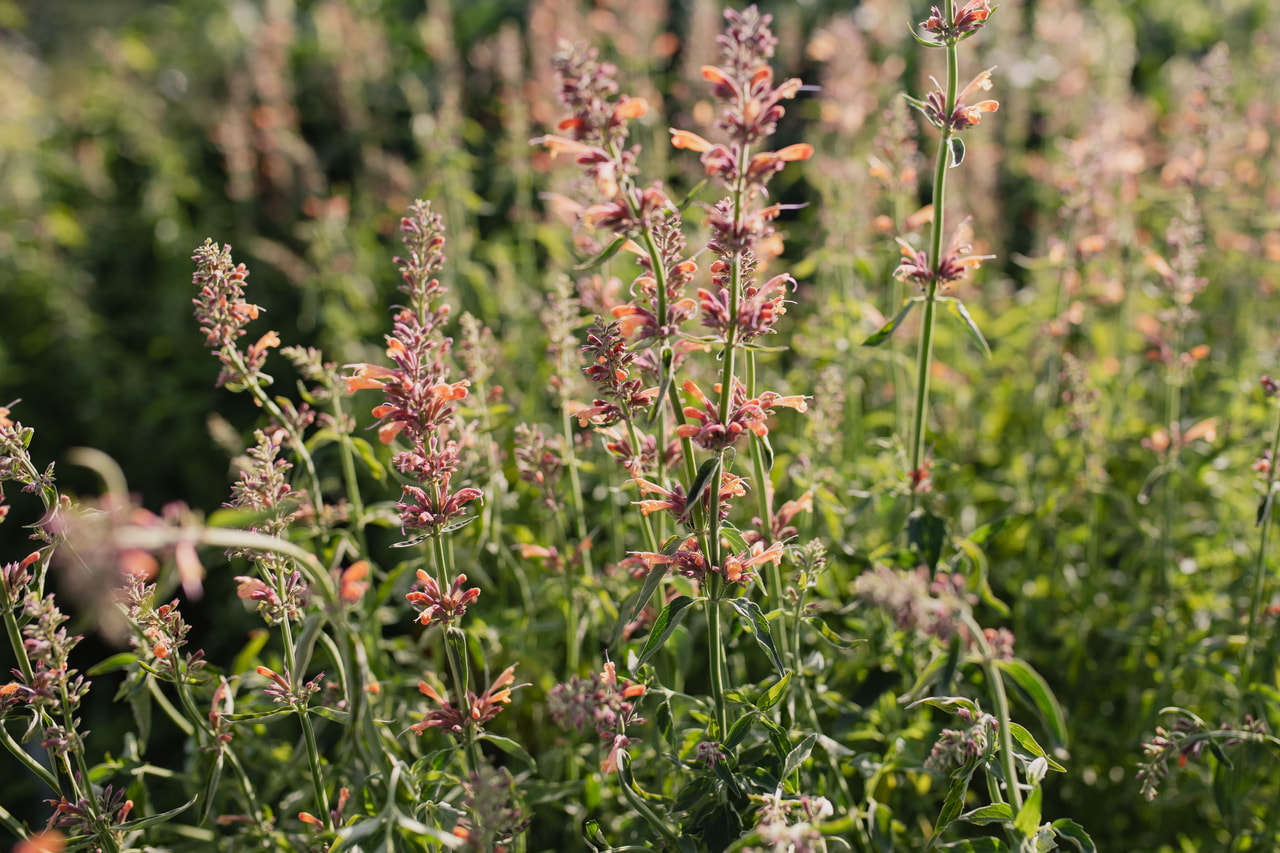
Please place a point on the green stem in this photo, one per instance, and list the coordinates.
(996, 680)
(313, 753)
(349, 475)
(642, 808)
(1260, 566)
(924, 357)
(715, 647)
(30, 763)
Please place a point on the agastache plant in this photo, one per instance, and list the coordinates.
(636, 360)
(951, 111)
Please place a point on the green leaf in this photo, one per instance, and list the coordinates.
(604, 255)
(956, 150)
(331, 714)
(1042, 698)
(976, 845)
(774, 694)
(365, 451)
(991, 813)
(688, 200)
(926, 533)
(1028, 819)
(953, 805)
(457, 641)
(753, 617)
(211, 786)
(737, 542)
(739, 730)
(259, 716)
(798, 756)
(950, 704)
(831, 636)
(510, 747)
(974, 553)
(651, 583)
(1070, 831)
(957, 309)
(706, 473)
(666, 360)
(1027, 742)
(886, 331)
(666, 623)
(152, 820)
(116, 661)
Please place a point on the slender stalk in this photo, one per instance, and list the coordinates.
(1260, 566)
(996, 682)
(924, 357)
(716, 659)
(349, 476)
(313, 752)
(764, 506)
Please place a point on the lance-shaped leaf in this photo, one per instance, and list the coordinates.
(886, 331)
(666, 360)
(666, 623)
(957, 309)
(956, 149)
(702, 481)
(753, 617)
(1070, 831)
(954, 803)
(608, 252)
(1036, 689)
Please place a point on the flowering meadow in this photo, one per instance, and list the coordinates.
(610, 426)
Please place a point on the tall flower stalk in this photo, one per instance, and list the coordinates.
(950, 110)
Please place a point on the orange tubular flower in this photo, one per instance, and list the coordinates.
(690, 141)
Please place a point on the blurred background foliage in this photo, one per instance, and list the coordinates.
(298, 130)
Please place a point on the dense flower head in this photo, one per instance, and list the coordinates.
(956, 263)
(163, 630)
(674, 501)
(622, 395)
(422, 233)
(602, 701)
(745, 414)
(478, 710)
(638, 319)
(957, 747)
(967, 18)
(223, 313)
(759, 309)
(440, 607)
(963, 114)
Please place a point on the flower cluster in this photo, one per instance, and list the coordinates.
(164, 631)
(55, 687)
(477, 711)
(621, 395)
(687, 559)
(275, 606)
(777, 829)
(604, 702)
(708, 432)
(956, 263)
(957, 747)
(223, 312)
(494, 819)
(419, 400)
(966, 20)
(1186, 740)
(439, 607)
(282, 691)
(917, 600)
(79, 817)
